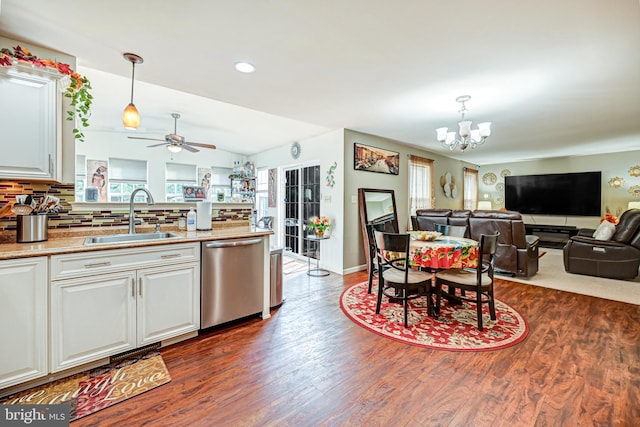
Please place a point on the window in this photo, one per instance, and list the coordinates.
(81, 177)
(221, 184)
(125, 175)
(470, 188)
(421, 190)
(262, 194)
(177, 175)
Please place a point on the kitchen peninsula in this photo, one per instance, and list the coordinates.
(73, 305)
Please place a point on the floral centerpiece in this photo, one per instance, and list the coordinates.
(319, 224)
(77, 89)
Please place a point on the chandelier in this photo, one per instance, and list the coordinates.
(468, 137)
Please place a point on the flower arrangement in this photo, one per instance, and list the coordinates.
(319, 223)
(78, 90)
(610, 218)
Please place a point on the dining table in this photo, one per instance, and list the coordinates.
(444, 252)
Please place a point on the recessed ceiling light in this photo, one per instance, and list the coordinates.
(245, 67)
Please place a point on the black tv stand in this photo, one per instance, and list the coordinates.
(551, 236)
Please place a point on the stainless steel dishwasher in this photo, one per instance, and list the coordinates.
(232, 280)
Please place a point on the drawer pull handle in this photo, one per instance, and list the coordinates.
(97, 264)
(140, 286)
(133, 287)
(170, 256)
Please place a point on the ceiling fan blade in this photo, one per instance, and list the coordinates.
(197, 144)
(156, 145)
(186, 147)
(149, 139)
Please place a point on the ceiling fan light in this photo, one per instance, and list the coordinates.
(174, 148)
(131, 117)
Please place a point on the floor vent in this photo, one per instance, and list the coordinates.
(136, 352)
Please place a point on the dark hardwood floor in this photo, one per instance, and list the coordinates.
(308, 365)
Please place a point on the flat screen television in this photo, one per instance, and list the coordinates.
(576, 194)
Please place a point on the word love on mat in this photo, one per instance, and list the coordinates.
(93, 390)
(456, 328)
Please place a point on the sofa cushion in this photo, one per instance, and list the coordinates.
(605, 231)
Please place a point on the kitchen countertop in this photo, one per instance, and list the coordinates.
(64, 242)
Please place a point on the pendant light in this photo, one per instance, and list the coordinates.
(130, 115)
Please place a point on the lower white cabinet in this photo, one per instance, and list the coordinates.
(98, 315)
(23, 320)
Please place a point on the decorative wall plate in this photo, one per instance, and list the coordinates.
(499, 200)
(634, 171)
(500, 186)
(489, 178)
(295, 150)
(635, 190)
(505, 172)
(616, 182)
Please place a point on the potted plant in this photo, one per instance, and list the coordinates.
(319, 224)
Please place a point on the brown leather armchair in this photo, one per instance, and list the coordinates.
(517, 253)
(618, 258)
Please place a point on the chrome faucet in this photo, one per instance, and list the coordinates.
(132, 214)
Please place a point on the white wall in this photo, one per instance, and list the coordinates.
(611, 165)
(324, 150)
(102, 145)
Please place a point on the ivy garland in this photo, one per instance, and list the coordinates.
(78, 90)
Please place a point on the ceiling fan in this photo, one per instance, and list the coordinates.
(174, 142)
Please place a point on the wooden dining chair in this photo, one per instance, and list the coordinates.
(396, 279)
(373, 259)
(478, 280)
(451, 230)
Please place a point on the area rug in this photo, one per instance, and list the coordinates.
(93, 390)
(456, 328)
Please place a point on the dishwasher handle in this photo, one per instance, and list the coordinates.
(233, 244)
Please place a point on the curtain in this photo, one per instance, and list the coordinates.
(421, 187)
(470, 188)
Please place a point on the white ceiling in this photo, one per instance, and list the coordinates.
(556, 78)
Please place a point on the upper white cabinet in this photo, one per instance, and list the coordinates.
(23, 316)
(31, 123)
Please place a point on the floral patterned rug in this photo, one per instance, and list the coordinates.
(456, 328)
(93, 390)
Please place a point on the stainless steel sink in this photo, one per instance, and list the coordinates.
(124, 238)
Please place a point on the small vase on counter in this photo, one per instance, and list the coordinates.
(319, 233)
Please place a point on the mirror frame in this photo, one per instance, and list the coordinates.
(392, 224)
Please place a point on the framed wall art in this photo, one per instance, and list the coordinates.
(372, 159)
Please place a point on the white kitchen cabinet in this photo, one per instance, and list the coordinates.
(23, 316)
(92, 318)
(31, 123)
(98, 311)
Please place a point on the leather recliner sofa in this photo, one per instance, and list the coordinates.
(517, 253)
(618, 258)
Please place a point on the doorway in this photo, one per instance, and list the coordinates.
(301, 202)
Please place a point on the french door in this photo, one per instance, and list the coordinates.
(301, 202)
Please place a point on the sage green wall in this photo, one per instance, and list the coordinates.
(354, 256)
(611, 165)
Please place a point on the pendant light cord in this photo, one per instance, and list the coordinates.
(133, 75)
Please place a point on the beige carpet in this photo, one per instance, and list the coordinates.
(551, 274)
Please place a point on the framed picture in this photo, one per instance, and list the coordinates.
(372, 159)
(273, 187)
(193, 192)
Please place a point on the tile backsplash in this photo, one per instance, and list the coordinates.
(67, 218)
